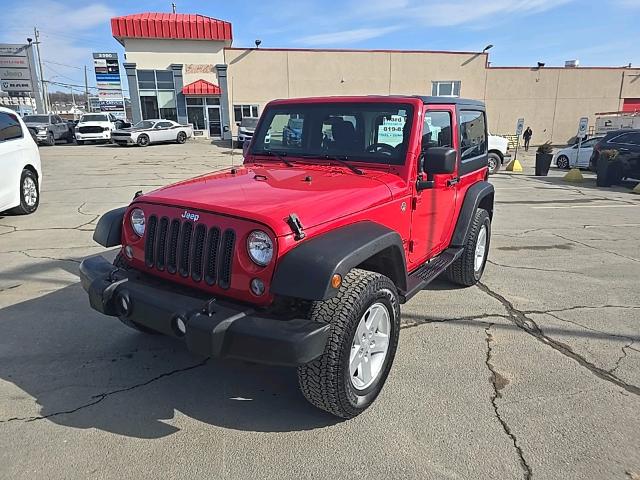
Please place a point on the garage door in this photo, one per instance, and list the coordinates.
(631, 105)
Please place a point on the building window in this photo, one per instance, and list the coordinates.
(445, 89)
(245, 111)
(157, 94)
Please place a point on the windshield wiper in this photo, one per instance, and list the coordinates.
(279, 155)
(343, 161)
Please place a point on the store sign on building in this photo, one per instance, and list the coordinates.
(107, 71)
(15, 69)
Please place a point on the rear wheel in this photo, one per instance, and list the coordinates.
(182, 137)
(494, 163)
(143, 140)
(365, 326)
(29, 193)
(563, 162)
(468, 268)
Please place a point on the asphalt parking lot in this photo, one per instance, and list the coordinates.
(533, 374)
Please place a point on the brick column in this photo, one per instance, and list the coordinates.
(225, 117)
(132, 79)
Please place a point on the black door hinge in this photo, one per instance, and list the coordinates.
(410, 246)
(452, 181)
(414, 203)
(296, 225)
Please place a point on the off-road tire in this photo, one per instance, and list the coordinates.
(494, 162)
(182, 137)
(24, 208)
(120, 262)
(563, 162)
(462, 271)
(326, 382)
(143, 140)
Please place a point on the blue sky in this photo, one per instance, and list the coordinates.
(598, 33)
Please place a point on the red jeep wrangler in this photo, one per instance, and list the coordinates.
(304, 254)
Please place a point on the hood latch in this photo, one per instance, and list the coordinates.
(296, 225)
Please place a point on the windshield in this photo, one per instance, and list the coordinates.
(94, 118)
(36, 119)
(144, 124)
(368, 132)
(249, 122)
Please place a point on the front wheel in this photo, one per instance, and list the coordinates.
(365, 326)
(468, 268)
(80, 142)
(51, 140)
(494, 163)
(563, 162)
(143, 140)
(29, 193)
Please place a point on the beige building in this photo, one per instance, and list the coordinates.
(183, 67)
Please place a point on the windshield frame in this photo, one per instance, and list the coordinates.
(335, 108)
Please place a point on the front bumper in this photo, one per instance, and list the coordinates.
(219, 329)
(93, 136)
(123, 140)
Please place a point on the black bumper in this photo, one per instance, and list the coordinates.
(229, 331)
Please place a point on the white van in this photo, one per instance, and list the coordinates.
(20, 169)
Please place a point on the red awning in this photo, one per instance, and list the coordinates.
(201, 87)
(170, 26)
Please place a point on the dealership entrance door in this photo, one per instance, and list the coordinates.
(215, 125)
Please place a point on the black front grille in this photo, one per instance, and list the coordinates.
(90, 129)
(190, 250)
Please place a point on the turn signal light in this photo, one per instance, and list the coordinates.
(336, 281)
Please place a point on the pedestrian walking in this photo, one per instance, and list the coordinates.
(527, 138)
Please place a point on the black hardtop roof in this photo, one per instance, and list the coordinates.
(449, 100)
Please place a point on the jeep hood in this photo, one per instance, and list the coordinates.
(268, 195)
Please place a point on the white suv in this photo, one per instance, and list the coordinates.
(96, 127)
(20, 170)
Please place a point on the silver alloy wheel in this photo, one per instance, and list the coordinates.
(492, 165)
(481, 247)
(370, 346)
(29, 191)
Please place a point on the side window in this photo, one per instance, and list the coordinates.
(436, 131)
(473, 134)
(163, 125)
(9, 127)
(627, 139)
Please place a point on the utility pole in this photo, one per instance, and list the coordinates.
(173, 7)
(45, 96)
(86, 88)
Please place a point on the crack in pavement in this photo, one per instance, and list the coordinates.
(532, 268)
(495, 380)
(527, 325)
(427, 320)
(597, 248)
(102, 396)
(623, 356)
(45, 257)
(10, 287)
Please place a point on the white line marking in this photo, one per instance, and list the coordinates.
(583, 206)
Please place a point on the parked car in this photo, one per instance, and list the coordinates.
(303, 255)
(498, 149)
(49, 128)
(20, 169)
(147, 132)
(616, 156)
(567, 157)
(96, 127)
(246, 128)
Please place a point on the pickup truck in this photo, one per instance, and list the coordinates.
(96, 127)
(303, 255)
(48, 129)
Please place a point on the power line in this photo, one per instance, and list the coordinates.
(62, 64)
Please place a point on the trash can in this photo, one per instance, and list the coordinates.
(543, 162)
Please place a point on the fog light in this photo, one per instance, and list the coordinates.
(180, 325)
(128, 251)
(257, 286)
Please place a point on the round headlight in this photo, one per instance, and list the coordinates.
(260, 247)
(137, 221)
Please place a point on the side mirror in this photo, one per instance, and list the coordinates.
(245, 148)
(435, 161)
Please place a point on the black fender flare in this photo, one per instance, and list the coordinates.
(481, 195)
(306, 271)
(108, 232)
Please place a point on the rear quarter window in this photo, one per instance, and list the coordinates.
(9, 127)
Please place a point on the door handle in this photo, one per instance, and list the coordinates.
(453, 181)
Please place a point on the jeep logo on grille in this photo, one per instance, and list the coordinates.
(190, 216)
